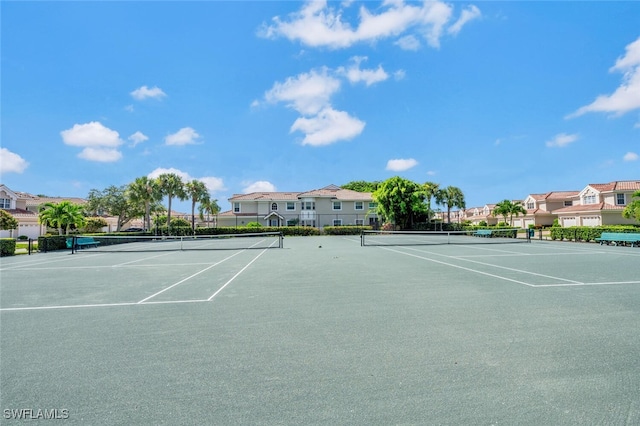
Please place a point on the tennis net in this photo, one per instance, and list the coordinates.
(130, 243)
(417, 238)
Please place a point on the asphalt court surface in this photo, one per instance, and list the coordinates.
(325, 331)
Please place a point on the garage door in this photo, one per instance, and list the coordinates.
(591, 221)
(568, 221)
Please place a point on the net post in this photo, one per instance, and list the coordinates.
(281, 240)
(29, 246)
(74, 242)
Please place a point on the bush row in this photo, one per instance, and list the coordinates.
(588, 233)
(7, 247)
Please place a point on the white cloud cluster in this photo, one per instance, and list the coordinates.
(320, 25)
(401, 164)
(561, 140)
(630, 156)
(137, 137)
(144, 92)
(184, 136)
(369, 76)
(213, 184)
(99, 143)
(258, 186)
(627, 96)
(10, 162)
(310, 95)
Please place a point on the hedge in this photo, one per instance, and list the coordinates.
(52, 242)
(588, 233)
(345, 230)
(7, 247)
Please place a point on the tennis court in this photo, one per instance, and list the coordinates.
(324, 331)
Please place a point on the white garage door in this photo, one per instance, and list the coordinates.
(568, 221)
(591, 221)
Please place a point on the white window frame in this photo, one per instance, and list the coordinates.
(589, 199)
(358, 203)
(337, 222)
(276, 205)
(531, 205)
(236, 207)
(568, 203)
(291, 205)
(618, 195)
(359, 222)
(333, 205)
(308, 205)
(373, 205)
(5, 203)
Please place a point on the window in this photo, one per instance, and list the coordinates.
(236, 207)
(308, 205)
(620, 199)
(373, 206)
(337, 205)
(291, 205)
(359, 205)
(359, 222)
(589, 199)
(274, 207)
(568, 203)
(337, 222)
(5, 203)
(531, 205)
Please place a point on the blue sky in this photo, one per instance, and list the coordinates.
(501, 99)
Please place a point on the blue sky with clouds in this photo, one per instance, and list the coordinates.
(501, 99)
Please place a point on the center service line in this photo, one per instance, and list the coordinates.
(235, 276)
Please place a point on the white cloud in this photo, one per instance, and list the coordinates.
(138, 137)
(369, 76)
(627, 96)
(630, 156)
(431, 173)
(400, 165)
(327, 127)
(129, 108)
(318, 24)
(99, 142)
(212, 183)
(561, 140)
(184, 136)
(408, 42)
(469, 14)
(259, 186)
(99, 154)
(144, 92)
(10, 162)
(307, 93)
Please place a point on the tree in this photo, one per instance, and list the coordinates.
(508, 208)
(362, 186)
(209, 206)
(197, 191)
(399, 201)
(94, 224)
(632, 210)
(62, 215)
(114, 201)
(144, 192)
(172, 186)
(7, 221)
(451, 196)
(431, 190)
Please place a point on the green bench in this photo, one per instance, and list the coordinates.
(82, 242)
(619, 238)
(483, 233)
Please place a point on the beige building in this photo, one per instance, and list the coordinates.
(328, 206)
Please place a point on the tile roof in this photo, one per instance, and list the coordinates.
(20, 213)
(620, 185)
(589, 208)
(331, 191)
(265, 196)
(555, 195)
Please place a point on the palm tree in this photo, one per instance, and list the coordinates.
(62, 215)
(431, 190)
(145, 191)
(451, 196)
(197, 191)
(171, 185)
(208, 206)
(508, 208)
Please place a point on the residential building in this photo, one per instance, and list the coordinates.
(328, 206)
(599, 204)
(541, 207)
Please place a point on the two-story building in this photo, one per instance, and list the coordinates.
(328, 206)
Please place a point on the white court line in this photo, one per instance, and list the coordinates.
(520, 271)
(190, 276)
(95, 305)
(587, 284)
(459, 267)
(234, 277)
(514, 254)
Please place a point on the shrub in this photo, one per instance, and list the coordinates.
(345, 230)
(7, 247)
(254, 225)
(52, 242)
(23, 238)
